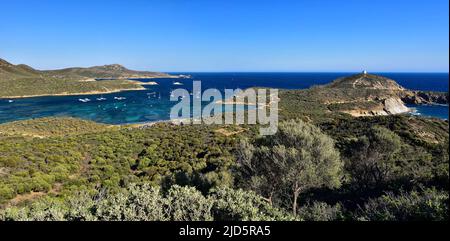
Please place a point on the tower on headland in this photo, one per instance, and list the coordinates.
(365, 72)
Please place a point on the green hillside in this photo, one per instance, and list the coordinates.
(21, 80)
(50, 127)
(408, 156)
(113, 71)
(323, 164)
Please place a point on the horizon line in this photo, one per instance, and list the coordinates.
(302, 71)
(241, 71)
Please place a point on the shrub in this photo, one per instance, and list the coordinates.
(46, 209)
(187, 204)
(137, 203)
(320, 211)
(234, 205)
(429, 204)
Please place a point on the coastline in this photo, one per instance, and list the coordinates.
(97, 92)
(155, 77)
(74, 94)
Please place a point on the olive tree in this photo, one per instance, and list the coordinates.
(298, 157)
(374, 156)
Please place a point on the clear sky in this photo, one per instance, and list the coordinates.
(228, 35)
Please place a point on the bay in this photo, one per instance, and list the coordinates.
(153, 104)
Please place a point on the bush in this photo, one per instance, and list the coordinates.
(137, 203)
(47, 209)
(320, 211)
(146, 203)
(187, 204)
(234, 205)
(429, 204)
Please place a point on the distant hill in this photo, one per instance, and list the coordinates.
(9, 70)
(366, 81)
(24, 81)
(113, 71)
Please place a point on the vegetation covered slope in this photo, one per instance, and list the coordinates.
(113, 71)
(406, 163)
(22, 80)
(48, 127)
(323, 164)
(190, 154)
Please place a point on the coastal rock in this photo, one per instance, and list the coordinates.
(394, 106)
(389, 106)
(424, 97)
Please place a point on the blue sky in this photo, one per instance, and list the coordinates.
(229, 35)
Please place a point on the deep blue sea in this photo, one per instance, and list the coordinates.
(154, 103)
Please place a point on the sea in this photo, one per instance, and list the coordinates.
(153, 103)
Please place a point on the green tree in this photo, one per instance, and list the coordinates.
(297, 158)
(374, 157)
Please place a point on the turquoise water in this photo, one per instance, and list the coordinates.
(437, 111)
(153, 104)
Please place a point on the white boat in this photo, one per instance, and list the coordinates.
(120, 98)
(177, 83)
(84, 100)
(101, 99)
(10, 101)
